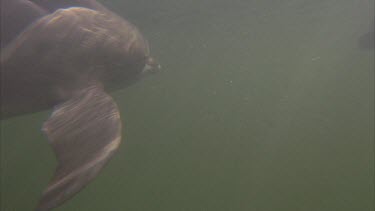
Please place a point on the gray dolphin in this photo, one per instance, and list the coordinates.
(66, 59)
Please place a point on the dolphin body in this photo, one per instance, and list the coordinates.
(66, 59)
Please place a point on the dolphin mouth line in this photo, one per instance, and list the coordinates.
(151, 69)
(151, 66)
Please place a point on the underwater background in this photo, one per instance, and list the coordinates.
(261, 105)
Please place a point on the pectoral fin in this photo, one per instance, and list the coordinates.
(84, 133)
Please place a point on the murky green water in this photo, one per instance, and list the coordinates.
(261, 106)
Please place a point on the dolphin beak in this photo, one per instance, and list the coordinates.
(152, 66)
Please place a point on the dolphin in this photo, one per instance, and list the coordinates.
(67, 55)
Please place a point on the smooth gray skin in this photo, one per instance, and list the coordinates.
(66, 60)
(12, 23)
(16, 15)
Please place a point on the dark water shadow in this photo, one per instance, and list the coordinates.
(366, 41)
